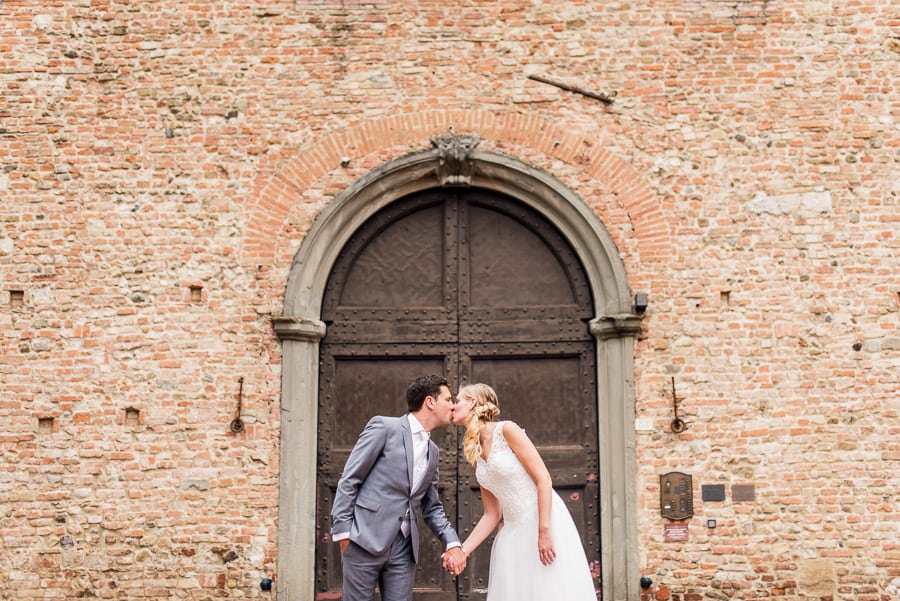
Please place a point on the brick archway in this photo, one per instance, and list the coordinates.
(276, 193)
(614, 327)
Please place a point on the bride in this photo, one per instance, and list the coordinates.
(537, 554)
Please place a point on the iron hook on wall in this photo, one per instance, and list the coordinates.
(678, 425)
(236, 424)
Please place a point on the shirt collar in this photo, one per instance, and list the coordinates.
(415, 425)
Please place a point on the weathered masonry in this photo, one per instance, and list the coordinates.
(666, 232)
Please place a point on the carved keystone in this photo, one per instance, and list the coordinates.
(455, 166)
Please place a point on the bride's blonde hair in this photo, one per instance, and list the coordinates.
(485, 411)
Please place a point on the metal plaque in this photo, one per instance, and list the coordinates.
(712, 492)
(743, 492)
(676, 496)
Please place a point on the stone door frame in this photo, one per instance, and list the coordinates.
(454, 161)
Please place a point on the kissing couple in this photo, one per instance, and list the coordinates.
(391, 477)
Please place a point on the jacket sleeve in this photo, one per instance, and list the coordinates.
(434, 515)
(365, 453)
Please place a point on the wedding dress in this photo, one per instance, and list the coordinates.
(517, 573)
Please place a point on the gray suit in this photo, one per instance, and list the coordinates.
(373, 496)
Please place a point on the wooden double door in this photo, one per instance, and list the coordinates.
(475, 286)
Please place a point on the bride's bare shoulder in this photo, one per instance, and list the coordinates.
(511, 427)
(514, 434)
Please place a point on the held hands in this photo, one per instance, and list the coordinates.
(454, 560)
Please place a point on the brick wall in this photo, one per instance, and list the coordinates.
(162, 161)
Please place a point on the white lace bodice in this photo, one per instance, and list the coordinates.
(506, 478)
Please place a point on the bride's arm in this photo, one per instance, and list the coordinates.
(531, 460)
(486, 524)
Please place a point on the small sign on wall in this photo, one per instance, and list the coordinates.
(743, 492)
(676, 531)
(712, 492)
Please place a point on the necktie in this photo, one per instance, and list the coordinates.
(420, 462)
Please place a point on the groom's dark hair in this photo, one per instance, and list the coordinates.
(421, 387)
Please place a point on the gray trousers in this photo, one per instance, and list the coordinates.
(393, 572)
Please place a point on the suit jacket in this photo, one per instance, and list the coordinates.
(374, 492)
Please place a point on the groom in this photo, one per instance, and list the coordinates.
(390, 476)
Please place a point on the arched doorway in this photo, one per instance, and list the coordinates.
(474, 285)
(613, 324)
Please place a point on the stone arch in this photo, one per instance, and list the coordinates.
(614, 326)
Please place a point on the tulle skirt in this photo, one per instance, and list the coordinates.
(517, 573)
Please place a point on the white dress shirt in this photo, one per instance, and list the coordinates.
(420, 450)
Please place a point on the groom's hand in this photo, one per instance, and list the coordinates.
(344, 544)
(454, 561)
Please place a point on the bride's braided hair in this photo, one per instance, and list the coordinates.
(485, 411)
